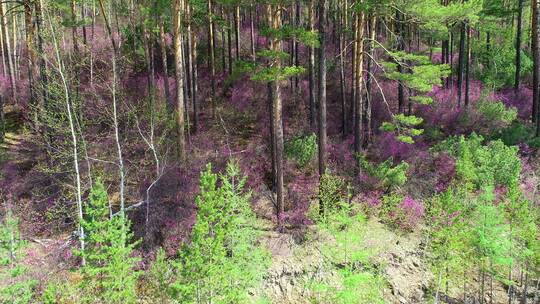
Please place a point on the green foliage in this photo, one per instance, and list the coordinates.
(389, 176)
(403, 126)
(423, 74)
(302, 149)
(109, 273)
(63, 291)
(287, 31)
(345, 254)
(450, 249)
(223, 259)
(275, 73)
(332, 195)
(491, 234)
(498, 64)
(517, 133)
(15, 287)
(479, 165)
(494, 115)
(497, 111)
(158, 280)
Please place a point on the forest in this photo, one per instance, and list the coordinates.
(270, 151)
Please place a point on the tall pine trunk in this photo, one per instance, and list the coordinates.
(274, 21)
(311, 69)
(177, 11)
(163, 47)
(7, 50)
(211, 54)
(252, 32)
(369, 79)
(400, 47)
(342, 84)
(461, 59)
(536, 64)
(358, 80)
(323, 8)
(237, 31)
(518, 45)
(467, 67)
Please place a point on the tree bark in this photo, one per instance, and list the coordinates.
(237, 31)
(252, 32)
(274, 20)
(467, 67)
(74, 27)
(179, 64)
(536, 64)
(461, 64)
(212, 53)
(323, 20)
(31, 59)
(518, 45)
(342, 84)
(194, 80)
(7, 50)
(369, 76)
(229, 43)
(400, 47)
(163, 46)
(311, 69)
(358, 79)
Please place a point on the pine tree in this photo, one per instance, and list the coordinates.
(222, 259)
(109, 273)
(16, 286)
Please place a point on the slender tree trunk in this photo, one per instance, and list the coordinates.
(451, 43)
(179, 64)
(212, 56)
(272, 137)
(2, 120)
(7, 50)
(4, 64)
(83, 17)
(323, 24)
(74, 142)
(43, 83)
(400, 47)
(518, 45)
(536, 64)
(297, 47)
(353, 73)
(237, 31)
(74, 27)
(358, 79)
(31, 59)
(194, 80)
(16, 55)
(223, 43)
(189, 59)
(342, 84)
(311, 68)
(229, 43)
(369, 76)
(461, 65)
(163, 46)
(467, 67)
(274, 20)
(526, 285)
(252, 32)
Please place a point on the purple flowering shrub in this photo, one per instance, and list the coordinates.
(402, 212)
